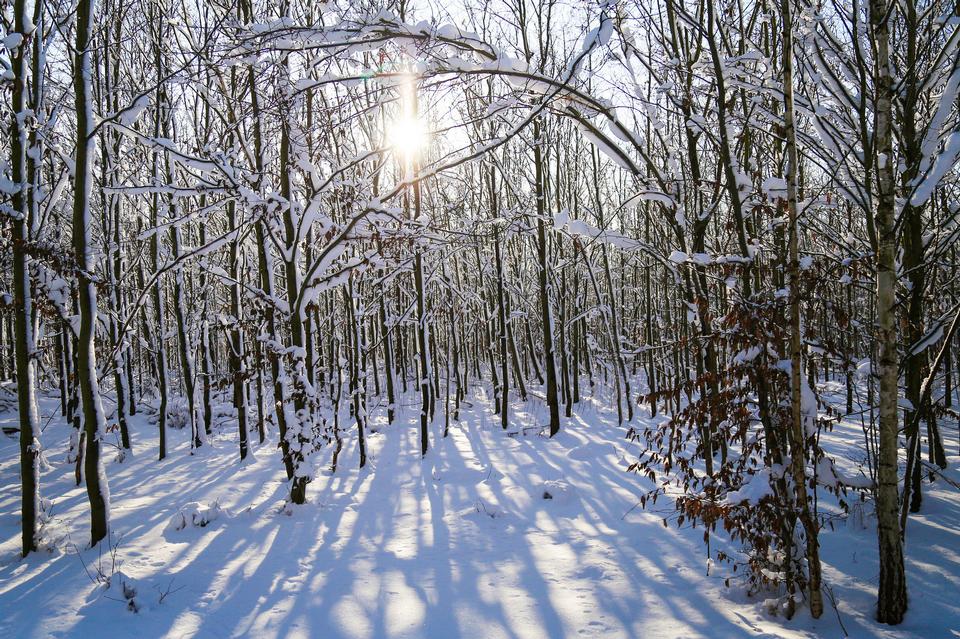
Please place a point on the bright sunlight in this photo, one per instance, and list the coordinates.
(408, 136)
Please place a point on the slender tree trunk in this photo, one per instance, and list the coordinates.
(205, 363)
(546, 312)
(388, 364)
(892, 595)
(296, 441)
(237, 356)
(187, 371)
(24, 344)
(502, 310)
(356, 393)
(798, 434)
(94, 421)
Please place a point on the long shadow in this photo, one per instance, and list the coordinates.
(531, 577)
(586, 474)
(457, 594)
(410, 547)
(377, 567)
(303, 550)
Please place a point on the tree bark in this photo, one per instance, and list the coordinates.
(892, 595)
(93, 417)
(798, 434)
(24, 342)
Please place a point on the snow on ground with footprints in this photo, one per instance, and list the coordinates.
(493, 534)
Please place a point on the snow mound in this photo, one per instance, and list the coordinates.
(195, 515)
(178, 413)
(117, 589)
(483, 511)
(556, 491)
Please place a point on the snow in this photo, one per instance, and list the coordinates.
(490, 535)
(607, 148)
(651, 196)
(7, 187)
(829, 475)
(945, 162)
(753, 489)
(931, 141)
(132, 113)
(747, 355)
(12, 41)
(195, 515)
(931, 338)
(774, 187)
(598, 36)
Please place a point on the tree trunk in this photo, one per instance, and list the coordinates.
(798, 433)
(24, 344)
(93, 417)
(546, 312)
(892, 595)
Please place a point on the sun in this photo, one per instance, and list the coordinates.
(408, 136)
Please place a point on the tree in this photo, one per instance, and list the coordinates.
(799, 420)
(94, 421)
(892, 595)
(25, 342)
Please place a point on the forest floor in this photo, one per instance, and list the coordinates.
(491, 535)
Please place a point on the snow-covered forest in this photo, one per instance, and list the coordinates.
(506, 318)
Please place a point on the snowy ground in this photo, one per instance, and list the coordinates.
(464, 543)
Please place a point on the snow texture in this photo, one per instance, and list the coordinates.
(490, 535)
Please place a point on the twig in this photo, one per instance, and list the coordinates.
(83, 563)
(936, 470)
(833, 602)
(165, 593)
(632, 508)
